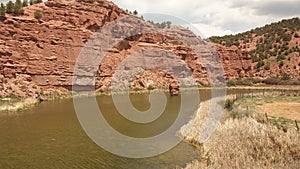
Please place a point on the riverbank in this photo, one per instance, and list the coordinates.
(12, 104)
(15, 104)
(246, 138)
(9, 104)
(246, 143)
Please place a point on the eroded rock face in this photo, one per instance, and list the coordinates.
(237, 64)
(174, 88)
(45, 51)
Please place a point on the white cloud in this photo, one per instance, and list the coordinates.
(210, 30)
(219, 17)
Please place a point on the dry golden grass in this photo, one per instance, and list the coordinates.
(244, 143)
(17, 105)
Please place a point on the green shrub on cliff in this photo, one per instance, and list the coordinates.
(13, 8)
(260, 64)
(150, 87)
(10, 7)
(285, 77)
(18, 10)
(162, 25)
(267, 66)
(25, 3)
(32, 2)
(2, 9)
(280, 58)
(37, 15)
(281, 63)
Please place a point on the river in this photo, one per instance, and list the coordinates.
(50, 136)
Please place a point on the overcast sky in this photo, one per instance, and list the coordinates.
(219, 17)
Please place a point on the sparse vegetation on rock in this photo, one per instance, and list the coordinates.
(16, 8)
(165, 24)
(2, 9)
(37, 15)
(274, 40)
(273, 50)
(25, 3)
(32, 2)
(9, 7)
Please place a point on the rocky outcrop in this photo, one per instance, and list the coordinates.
(45, 51)
(174, 88)
(236, 63)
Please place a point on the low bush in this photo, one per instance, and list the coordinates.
(37, 15)
(272, 81)
(229, 104)
(150, 87)
(281, 63)
(267, 66)
(243, 82)
(137, 89)
(285, 80)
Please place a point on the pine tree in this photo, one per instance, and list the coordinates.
(18, 3)
(18, 7)
(2, 9)
(25, 3)
(169, 23)
(9, 7)
(135, 12)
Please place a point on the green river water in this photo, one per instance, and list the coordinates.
(50, 136)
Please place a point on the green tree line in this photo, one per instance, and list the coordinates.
(162, 25)
(272, 41)
(16, 8)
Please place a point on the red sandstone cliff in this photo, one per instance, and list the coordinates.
(37, 54)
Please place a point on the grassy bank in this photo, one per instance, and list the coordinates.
(246, 139)
(10, 104)
(277, 81)
(14, 104)
(246, 143)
